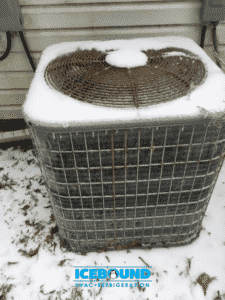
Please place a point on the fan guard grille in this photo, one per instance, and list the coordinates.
(86, 76)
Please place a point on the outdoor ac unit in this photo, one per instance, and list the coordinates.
(130, 135)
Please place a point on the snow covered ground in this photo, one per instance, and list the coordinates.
(33, 264)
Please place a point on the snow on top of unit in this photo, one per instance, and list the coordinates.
(46, 106)
(175, 53)
(126, 58)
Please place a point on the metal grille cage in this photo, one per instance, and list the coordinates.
(170, 73)
(140, 187)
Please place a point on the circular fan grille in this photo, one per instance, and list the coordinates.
(170, 73)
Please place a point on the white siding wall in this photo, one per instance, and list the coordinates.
(47, 22)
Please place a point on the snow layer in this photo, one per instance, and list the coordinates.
(49, 274)
(48, 107)
(127, 59)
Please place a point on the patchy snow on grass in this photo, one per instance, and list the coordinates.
(34, 265)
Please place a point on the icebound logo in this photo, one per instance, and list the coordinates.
(114, 276)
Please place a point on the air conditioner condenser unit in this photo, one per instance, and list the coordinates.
(130, 136)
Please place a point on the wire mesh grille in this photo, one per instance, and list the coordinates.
(145, 187)
(86, 76)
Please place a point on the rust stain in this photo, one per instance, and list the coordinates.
(151, 148)
(133, 89)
